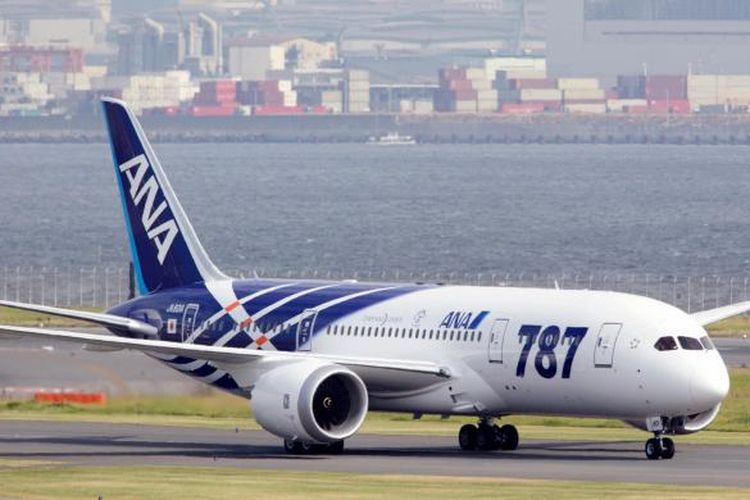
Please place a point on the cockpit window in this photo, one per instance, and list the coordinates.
(690, 344)
(666, 344)
(707, 343)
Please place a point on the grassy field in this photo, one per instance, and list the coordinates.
(56, 481)
(224, 411)
(25, 318)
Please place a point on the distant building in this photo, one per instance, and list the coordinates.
(62, 23)
(610, 37)
(252, 58)
(149, 46)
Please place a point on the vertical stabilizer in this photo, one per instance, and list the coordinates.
(165, 249)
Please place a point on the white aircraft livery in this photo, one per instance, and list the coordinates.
(314, 356)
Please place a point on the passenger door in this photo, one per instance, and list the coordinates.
(305, 330)
(497, 337)
(605, 344)
(188, 320)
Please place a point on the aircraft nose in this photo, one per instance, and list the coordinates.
(709, 382)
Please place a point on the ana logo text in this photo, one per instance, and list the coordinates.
(144, 189)
(463, 320)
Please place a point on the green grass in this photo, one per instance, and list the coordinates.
(220, 410)
(54, 481)
(736, 326)
(17, 317)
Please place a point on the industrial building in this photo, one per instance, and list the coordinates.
(608, 37)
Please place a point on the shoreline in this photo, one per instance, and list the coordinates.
(426, 129)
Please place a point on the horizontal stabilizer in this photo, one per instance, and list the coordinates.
(715, 315)
(130, 326)
(231, 355)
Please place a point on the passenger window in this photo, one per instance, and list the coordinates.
(666, 344)
(707, 343)
(690, 343)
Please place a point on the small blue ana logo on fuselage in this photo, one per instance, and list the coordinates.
(461, 320)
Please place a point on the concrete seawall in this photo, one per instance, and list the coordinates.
(437, 128)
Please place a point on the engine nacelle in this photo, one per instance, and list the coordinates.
(310, 401)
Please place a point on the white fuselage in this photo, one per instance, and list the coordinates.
(616, 370)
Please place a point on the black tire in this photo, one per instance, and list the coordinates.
(667, 449)
(467, 437)
(336, 448)
(653, 449)
(487, 438)
(508, 437)
(293, 447)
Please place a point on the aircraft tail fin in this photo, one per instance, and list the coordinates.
(165, 249)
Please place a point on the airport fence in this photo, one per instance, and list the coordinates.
(101, 287)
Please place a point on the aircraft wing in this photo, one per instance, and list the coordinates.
(715, 315)
(127, 325)
(231, 355)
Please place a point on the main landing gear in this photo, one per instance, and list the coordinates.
(303, 448)
(487, 436)
(659, 447)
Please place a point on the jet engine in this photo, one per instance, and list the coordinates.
(310, 401)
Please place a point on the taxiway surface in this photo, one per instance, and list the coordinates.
(121, 445)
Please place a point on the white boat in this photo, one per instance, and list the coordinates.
(392, 139)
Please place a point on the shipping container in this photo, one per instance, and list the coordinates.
(583, 94)
(621, 104)
(278, 110)
(447, 74)
(533, 83)
(670, 106)
(577, 83)
(540, 95)
(522, 108)
(586, 108)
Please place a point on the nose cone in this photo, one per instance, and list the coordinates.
(709, 383)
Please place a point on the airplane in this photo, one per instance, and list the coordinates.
(314, 357)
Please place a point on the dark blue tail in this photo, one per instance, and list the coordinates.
(166, 252)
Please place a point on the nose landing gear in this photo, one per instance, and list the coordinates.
(659, 447)
(487, 436)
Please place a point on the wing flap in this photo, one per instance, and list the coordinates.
(132, 326)
(230, 355)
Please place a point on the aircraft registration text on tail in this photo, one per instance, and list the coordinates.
(315, 356)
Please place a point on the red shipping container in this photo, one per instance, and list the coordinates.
(670, 106)
(319, 109)
(217, 85)
(611, 94)
(447, 74)
(658, 87)
(522, 108)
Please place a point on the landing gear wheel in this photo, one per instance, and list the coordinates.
(508, 437)
(653, 449)
(667, 448)
(336, 448)
(487, 438)
(467, 437)
(293, 447)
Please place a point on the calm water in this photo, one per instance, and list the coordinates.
(680, 210)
